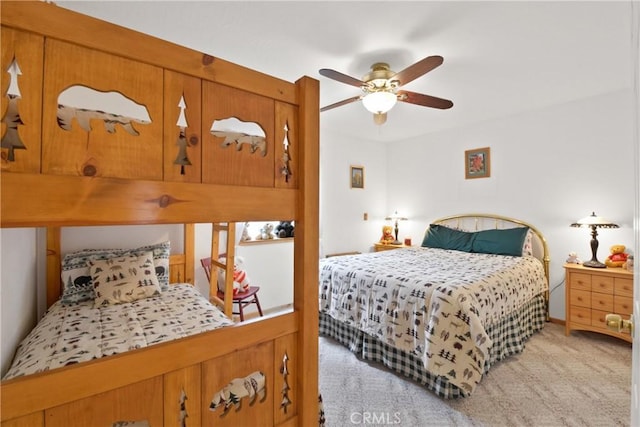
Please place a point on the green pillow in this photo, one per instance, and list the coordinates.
(500, 242)
(441, 237)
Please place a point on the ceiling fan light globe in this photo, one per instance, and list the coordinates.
(379, 102)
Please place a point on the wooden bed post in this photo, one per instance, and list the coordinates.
(189, 253)
(54, 285)
(306, 252)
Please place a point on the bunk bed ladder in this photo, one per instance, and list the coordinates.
(227, 266)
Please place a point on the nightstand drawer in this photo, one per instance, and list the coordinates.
(624, 287)
(602, 284)
(597, 318)
(581, 298)
(581, 315)
(581, 281)
(602, 301)
(623, 305)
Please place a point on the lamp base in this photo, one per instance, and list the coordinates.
(594, 264)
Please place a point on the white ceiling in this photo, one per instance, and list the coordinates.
(500, 58)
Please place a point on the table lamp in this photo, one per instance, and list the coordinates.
(396, 217)
(594, 222)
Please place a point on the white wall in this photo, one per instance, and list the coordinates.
(18, 267)
(121, 236)
(342, 227)
(270, 266)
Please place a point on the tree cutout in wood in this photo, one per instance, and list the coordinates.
(11, 139)
(113, 108)
(182, 159)
(284, 170)
(284, 370)
(235, 131)
(183, 409)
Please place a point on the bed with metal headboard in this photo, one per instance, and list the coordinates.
(444, 312)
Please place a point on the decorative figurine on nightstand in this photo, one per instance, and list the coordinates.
(387, 235)
(573, 258)
(629, 264)
(617, 258)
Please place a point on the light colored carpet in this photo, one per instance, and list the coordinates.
(580, 380)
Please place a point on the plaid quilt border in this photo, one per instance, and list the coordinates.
(509, 336)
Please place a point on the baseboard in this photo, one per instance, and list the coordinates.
(556, 321)
(273, 310)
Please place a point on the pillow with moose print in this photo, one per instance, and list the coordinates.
(123, 279)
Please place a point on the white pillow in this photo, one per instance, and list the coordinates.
(527, 247)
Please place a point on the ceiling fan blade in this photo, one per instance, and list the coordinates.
(416, 70)
(424, 100)
(338, 104)
(342, 78)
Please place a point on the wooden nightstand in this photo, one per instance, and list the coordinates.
(592, 293)
(377, 247)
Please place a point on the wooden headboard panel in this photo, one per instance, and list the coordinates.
(177, 269)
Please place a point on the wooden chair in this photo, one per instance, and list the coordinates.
(240, 299)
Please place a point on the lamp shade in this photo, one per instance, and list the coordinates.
(379, 102)
(395, 216)
(594, 221)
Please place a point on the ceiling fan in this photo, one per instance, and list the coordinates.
(380, 88)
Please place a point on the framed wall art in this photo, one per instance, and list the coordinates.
(477, 163)
(357, 177)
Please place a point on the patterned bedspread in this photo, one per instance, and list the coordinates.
(433, 303)
(69, 334)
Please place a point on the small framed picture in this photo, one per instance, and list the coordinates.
(357, 176)
(477, 163)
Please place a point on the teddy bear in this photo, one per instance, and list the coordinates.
(284, 229)
(240, 278)
(245, 233)
(266, 232)
(387, 235)
(573, 258)
(617, 258)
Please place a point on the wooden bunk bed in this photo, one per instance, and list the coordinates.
(62, 166)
